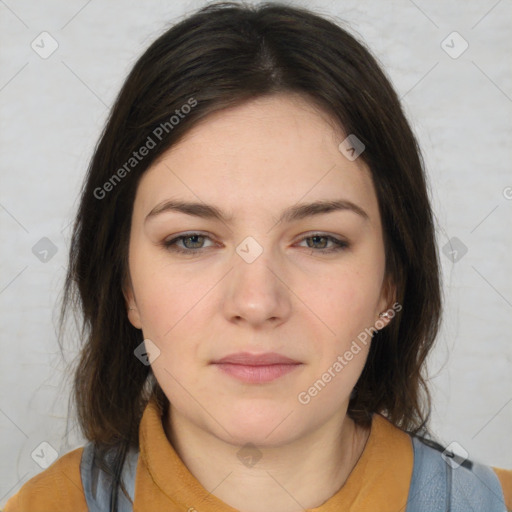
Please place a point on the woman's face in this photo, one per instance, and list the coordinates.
(260, 271)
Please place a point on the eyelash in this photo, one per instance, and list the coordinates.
(339, 245)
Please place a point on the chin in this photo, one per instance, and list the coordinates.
(265, 428)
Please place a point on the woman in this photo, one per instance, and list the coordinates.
(255, 259)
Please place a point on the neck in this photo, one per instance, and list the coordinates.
(300, 475)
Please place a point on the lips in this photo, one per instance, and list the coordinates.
(256, 368)
(247, 359)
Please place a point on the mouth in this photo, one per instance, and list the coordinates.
(256, 369)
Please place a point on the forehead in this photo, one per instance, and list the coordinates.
(263, 155)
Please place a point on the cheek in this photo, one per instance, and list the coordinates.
(165, 294)
(177, 315)
(168, 308)
(346, 300)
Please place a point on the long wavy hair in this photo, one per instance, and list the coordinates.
(222, 56)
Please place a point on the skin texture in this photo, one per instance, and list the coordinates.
(253, 161)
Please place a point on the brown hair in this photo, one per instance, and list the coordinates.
(221, 56)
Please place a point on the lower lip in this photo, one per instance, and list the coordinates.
(257, 374)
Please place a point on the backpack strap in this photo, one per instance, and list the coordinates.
(97, 483)
(440, 485)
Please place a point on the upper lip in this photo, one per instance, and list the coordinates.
(245, 358)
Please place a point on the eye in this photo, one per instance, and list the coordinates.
(319, 241)
(192, 243)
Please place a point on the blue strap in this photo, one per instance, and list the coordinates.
(429, 484)
(97, 484)
(440, 486)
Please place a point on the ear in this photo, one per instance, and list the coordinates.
(131, 306)
(387, 301)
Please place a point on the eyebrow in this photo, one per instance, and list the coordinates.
(293, 213)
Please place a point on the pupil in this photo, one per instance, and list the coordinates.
(195, 237)
(316, 239)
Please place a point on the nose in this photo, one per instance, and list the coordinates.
(257, 293)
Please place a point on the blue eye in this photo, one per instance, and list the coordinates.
(190, 242)
(193, 243)
(339, 245)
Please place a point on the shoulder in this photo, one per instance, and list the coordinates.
(57, 488)
(454, 480)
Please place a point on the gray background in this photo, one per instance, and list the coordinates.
(52, 111)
